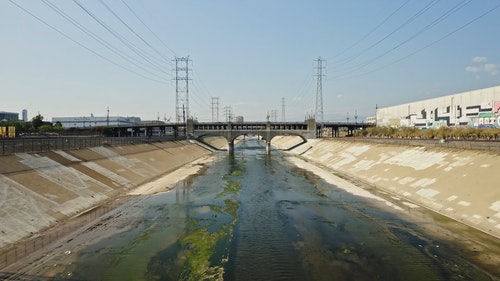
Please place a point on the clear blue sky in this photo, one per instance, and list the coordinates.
(250, 54)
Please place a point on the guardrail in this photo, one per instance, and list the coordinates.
(44, 144)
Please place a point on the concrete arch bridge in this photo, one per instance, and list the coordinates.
(267, 130)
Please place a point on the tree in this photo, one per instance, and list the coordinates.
(37, 121)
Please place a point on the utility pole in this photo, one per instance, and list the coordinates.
(215, 109)
(181, 89)
(319, 89)
(283, 109)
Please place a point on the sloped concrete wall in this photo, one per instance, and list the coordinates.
(461, 184)
(38, 190)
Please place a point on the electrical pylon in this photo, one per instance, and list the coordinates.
(181, 89)
(215, 109)
(319, 90)
(283, 109)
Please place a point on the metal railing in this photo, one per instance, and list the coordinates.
(44, 144)
(485, 145)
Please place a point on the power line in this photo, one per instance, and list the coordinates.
(370, 32)
(401, 26)
(133, 31)
(441, 18)
(83, 46)
(100, 40)
(434, 42)
(141, 53)
(150, 30)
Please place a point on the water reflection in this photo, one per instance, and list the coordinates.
(251, 216)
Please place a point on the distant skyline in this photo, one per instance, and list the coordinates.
(63, 58)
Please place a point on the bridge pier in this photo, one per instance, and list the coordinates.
(268, 147)
(230, 146)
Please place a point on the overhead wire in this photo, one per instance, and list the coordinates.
(101, 41)
(148, 28)
(304, 97)
(198, 100)
(438, 20)
(435, 41)
(369, 33)
(201, 86)
(419, 13)
(138, 51)
(82, 45)
(163, 57)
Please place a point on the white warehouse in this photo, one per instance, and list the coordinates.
(479, 108)
(95, 121)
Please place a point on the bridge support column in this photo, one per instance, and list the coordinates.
(268, 147)
(230, 146)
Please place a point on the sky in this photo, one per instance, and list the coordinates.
(77, 58)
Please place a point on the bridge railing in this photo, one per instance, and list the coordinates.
(251, 126)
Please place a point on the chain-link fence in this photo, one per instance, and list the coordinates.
(43, 144)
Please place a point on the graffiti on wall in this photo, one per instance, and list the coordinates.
(485, 115)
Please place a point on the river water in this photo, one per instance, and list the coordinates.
(252, 216)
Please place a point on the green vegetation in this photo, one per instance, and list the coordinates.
(232, 187)
(203, 246)
(432, 133)
(37, 125)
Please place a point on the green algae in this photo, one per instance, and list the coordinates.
(205, 250)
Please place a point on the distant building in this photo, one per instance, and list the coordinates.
(479, 108)
(9, 116)
(238, 119)
(93, 121)
(371, 120)
(25, 115)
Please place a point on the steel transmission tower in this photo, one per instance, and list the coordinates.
(181, 89)
(274, 115)
(319, 90)
(215, 109)
(228, 113)
(283, 109)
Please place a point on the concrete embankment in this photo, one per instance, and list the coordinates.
(461, 184)
(38, 190)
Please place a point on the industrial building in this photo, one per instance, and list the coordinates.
(478, 108)
(94, 121)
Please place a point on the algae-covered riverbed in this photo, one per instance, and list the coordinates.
(251, 216)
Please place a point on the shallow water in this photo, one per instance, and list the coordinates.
(250, 216)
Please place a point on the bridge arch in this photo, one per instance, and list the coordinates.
(267, 130)
(230, 138)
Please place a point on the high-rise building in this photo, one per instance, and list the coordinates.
(25, 115)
